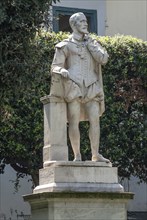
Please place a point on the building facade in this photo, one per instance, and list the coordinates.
(126, 17)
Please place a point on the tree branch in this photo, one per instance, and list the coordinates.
(19, 169)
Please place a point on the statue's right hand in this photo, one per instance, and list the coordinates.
(64, 73)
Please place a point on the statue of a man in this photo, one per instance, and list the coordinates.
(78, 61)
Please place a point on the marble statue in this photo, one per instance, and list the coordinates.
(77, 69)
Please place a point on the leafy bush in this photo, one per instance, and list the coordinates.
(122, 125)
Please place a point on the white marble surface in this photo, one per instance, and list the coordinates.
(79, 187)
(55, 129)
(78, 177)
(89, 211)
(80, 209)
(87, 163)
(68, 174)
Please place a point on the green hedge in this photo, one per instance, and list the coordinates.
(122, 125)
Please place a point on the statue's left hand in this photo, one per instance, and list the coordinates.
(64, 73)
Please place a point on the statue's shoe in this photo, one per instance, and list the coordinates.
(77, 158)
(100, 158)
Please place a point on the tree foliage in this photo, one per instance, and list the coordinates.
(19, 22)
(122, 125)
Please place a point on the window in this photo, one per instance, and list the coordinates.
(61, 17)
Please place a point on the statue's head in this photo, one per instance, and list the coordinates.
(78, 23)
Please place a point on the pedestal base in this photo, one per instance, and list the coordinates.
(78, 206)
(78, 177)
(78, 191)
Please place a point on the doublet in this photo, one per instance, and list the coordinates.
(80, 59)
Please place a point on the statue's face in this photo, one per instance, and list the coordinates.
(81, 24)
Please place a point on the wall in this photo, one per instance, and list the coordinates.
(128, 17)
(139, 203)
(12, 203)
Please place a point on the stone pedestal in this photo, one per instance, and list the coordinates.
(78, 206)
(55, 129)
(73, 190)
(78, 191)
(78, 177)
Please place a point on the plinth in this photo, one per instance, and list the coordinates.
(73, 190)
(78, 206)
(78, 177)
(55, 129)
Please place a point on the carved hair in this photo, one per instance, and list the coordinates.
(73, 19)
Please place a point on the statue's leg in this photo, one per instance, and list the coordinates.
(92, 109)
(73, 109)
